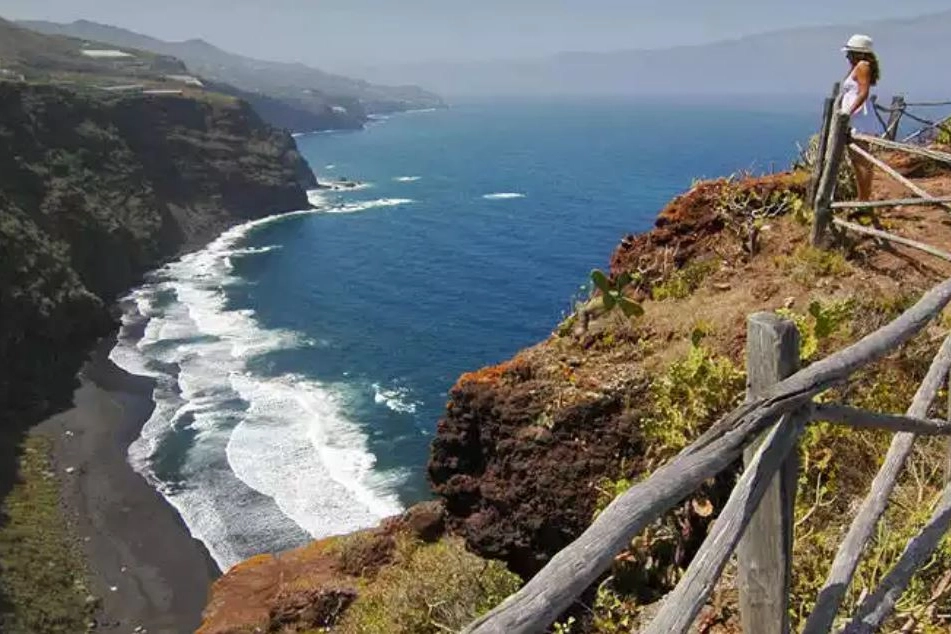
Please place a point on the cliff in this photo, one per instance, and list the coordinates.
(295, 96)
(96, 189)
(529, 451)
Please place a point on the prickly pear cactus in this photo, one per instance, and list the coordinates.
(612, 294)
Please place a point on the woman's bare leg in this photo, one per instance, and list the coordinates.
(863, 174)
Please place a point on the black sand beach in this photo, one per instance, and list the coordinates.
(142, 561)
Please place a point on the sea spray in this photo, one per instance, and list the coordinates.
(253, 463)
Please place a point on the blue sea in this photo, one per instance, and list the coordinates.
(302, 362)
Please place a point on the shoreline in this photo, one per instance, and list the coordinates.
(142, 562)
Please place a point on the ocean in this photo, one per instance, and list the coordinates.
(302, 362)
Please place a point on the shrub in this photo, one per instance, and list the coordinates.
(693, 392)
(364, 552)
(429, 589)
(613, 612)
(43, 586)
(683, 282)
(818, 324)
(745, 211)
(944, 132)
(612, 295)
(845, 184)
(807, 264)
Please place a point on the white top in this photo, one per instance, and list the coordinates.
(864, 120)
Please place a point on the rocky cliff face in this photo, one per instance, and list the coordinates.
(96, 189)
(529, 451)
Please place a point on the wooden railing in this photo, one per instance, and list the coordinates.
(835, 137)
(756, 523)
(899, 109)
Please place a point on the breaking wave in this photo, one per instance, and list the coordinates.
(253, 463)
(350, 208)
(396, 398)
(503, 196)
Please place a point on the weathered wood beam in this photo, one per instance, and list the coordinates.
(540, 601)
(760, 503)
(888, 169)
(764, 552)
(828, 107)
(891, 237)
(838, 139)
(862, 527)
(894, 116)
(877, 606)
(681, 606)
(896, 202)
(947, 445)
(937, 155)
(863, 419)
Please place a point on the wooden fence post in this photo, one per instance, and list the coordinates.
(838, 138)
(894, 117)
(947, 442)
(764, 555)
(821, 153)
(827, 109)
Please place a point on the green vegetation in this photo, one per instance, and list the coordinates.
(818, 324)
(43, 577)
(845, 184)
(613, 612)
(683, 282)
(363, 552)
(745, 211)
(612, 295)
(837, 465)
(430, 589)
(808, 264)
(608, 490)
(694, 391)
(944, 132)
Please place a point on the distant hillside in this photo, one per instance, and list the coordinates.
(804, 60)
(42, 56)
(299, 86)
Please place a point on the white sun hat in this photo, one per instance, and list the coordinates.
(859, 43)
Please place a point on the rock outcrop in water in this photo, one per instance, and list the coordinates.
(96, 189)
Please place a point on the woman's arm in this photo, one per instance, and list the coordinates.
(863, 77)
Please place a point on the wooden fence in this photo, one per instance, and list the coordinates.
(756, 523)
(891, 119)
(835, 138)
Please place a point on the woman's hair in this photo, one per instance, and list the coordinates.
(872, 62)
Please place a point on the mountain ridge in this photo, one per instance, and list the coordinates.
(299, 88)
(782, 61)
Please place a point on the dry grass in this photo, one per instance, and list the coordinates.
(42, 574)
(430, 589)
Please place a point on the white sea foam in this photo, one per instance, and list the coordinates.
(350, 208)
(253, 463)
(256, 250)
(296, 426)
(317, 198)
(503, 196)
(348, 186)
(396, 398)
(407, 179)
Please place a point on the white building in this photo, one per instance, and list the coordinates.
(188, 80)
(102, 53)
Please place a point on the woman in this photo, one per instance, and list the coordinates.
(856, 102)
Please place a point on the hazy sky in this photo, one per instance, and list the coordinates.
(347, 33)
